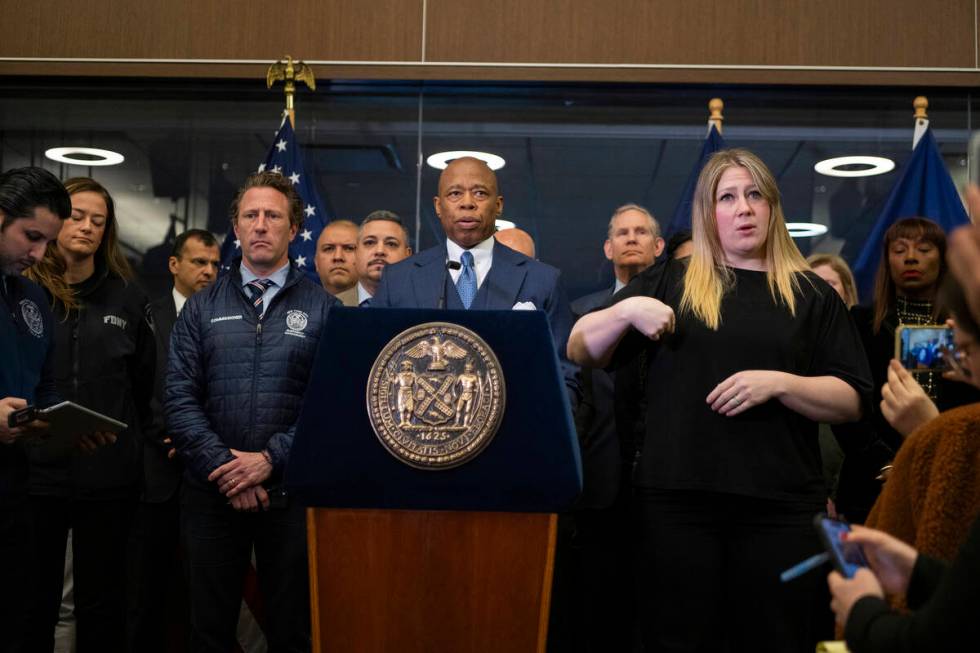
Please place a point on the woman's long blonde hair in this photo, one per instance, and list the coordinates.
(707, 278)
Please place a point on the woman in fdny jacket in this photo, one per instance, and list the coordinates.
(104, 360)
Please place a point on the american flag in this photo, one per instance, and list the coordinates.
(286, 158)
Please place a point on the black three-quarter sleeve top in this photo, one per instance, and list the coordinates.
(768, 451)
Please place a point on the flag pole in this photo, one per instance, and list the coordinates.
(715, 107)
(920, 104)
(290, 72)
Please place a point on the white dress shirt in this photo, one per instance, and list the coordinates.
(482, 258)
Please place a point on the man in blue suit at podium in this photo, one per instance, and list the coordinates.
(471, 270)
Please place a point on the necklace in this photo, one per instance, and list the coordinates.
(916, 312)
(913, 311)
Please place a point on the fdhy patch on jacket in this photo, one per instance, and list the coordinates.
(114, 320)
(296, 322)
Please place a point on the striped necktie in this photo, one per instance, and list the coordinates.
(256, 289)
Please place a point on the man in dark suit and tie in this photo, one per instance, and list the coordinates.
(470, 270)
(598, 557)
(194, 266)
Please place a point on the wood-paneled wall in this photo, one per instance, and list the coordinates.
(915, 42)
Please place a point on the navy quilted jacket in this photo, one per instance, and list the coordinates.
(235, 382)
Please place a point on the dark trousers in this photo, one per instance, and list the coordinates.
(594, 590)
(15, 575)
(710, 574)
(100, 535)
(159, 618)
(219, 543)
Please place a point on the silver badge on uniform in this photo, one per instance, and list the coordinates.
(32, 317)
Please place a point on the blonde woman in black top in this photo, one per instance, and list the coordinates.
(747, 351)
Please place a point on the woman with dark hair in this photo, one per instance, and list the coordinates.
(746, 351)
(104, 359)
(912, 268)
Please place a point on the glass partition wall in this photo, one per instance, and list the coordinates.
(573, 153)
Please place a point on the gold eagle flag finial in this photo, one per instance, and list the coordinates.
(290, 72)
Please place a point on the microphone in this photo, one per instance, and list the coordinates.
(450, 265)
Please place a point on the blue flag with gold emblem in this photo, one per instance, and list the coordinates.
(286, 158)
(924, 189)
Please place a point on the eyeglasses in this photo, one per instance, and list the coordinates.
(956, 359)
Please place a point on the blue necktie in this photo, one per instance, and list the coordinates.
(256, 288)
(466, 284)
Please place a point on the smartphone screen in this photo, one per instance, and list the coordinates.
(921, 348)
(847, 557)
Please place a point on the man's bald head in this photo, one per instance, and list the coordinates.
(517, 239)
(468, 202)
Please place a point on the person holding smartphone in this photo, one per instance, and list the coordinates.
(911, 270)
(944, 599)
(104, 359)
(746, 351)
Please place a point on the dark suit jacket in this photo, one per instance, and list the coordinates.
(596, 424)
(420, 282)
(161, 475)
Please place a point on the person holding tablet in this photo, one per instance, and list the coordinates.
(104, 360)
(33, 204)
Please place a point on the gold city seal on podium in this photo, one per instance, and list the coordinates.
(435, 396)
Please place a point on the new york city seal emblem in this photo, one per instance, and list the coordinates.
(435, 396)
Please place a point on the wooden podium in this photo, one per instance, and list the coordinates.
(405, 559)
(449, 581)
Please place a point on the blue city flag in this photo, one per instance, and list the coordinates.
(681, 219)
(286, 158)
(924, 189)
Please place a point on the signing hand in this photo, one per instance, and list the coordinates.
(248, 469)
(250, 500)
(846, 592)
(649, 316)
(745, 389)
(92, 441)
(904, 403)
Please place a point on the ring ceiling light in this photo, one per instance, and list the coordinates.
(441, 159)
(93, 156)
(805, 229)
(874, 165)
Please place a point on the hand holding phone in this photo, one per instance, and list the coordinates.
(890, 558)
(846, 555)
(17, 419)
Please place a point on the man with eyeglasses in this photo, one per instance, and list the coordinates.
(241, 355)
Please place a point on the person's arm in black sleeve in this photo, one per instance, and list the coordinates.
(196, 442)
(608, 337)
(946, 620)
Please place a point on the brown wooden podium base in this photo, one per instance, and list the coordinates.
(401, 580)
